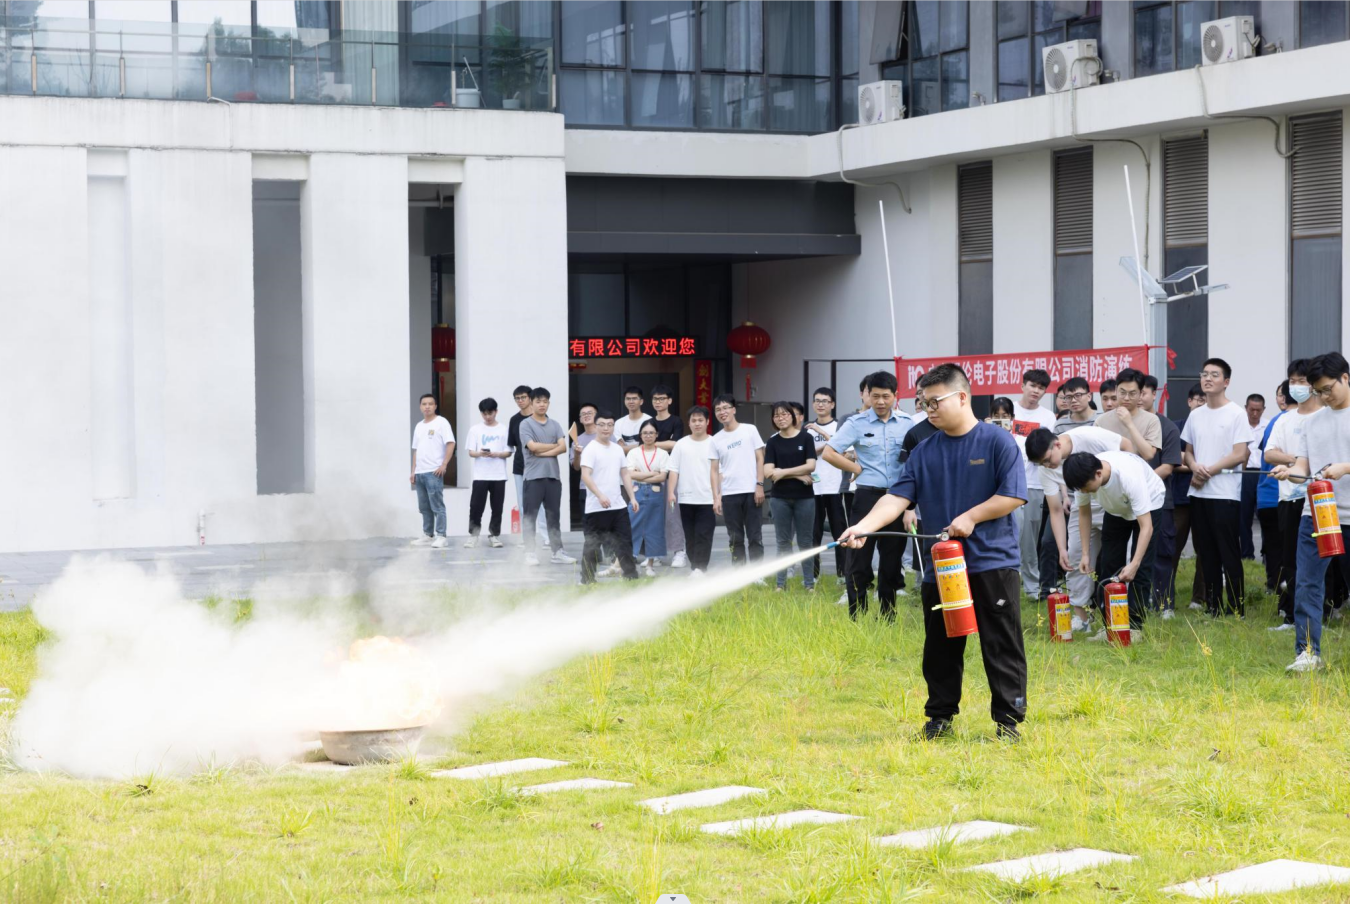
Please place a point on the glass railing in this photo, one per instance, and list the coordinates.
(84, 58)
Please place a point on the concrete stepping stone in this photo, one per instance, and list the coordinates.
(957, 833)
(776, 821)
(708, 797)
(1264, 878)
(575, 784)
(494, 770)
(1057, 863)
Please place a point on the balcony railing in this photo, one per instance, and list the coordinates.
(76, 58)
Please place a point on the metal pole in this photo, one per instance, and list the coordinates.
(1138, 262)
(890, 290)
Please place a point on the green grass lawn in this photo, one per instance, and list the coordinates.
(1193, 750)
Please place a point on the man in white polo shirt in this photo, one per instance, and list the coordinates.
(433, 443)
(1216, 436)
(737, 456)
(1130, 495)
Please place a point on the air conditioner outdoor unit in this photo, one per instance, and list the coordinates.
(1226, 40)
(880, 102)
(1062, 71)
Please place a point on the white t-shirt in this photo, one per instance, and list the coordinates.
(734, 452)
(1287, 435)
(691, 461)
(828, 477)
(629, 430)
(1212, 434)
(1254, 445)
(429, 441)
(606, 461)
(1326, 440)
(1026, 420)
(1094, 441)
(1132, 490)
(658, 459)
(483, 438)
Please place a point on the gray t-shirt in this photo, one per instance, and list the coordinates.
(531, 431)
(1326, 440)
(1067, 423)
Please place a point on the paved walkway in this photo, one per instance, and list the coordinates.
(233, 570)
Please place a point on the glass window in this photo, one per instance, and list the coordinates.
(1321, 22)
(1038, 44)
(1043, 15)
(953, 24)
(955, 80)
(593, 33)
(731, 102)
(924, 93)
(448, 18)
(530, 21)
(733, 35)
(924, 29)
(848, 107)
(1153, 41)
(799, 104)
(592, 97)
(656, 303)
(1189, 18)
(234, 16)
(798, 38)
(848, 38)
(595, 302)
(1012, 18)
(663, 99)
(663, 35)
(1086, 31)
(1014, 69)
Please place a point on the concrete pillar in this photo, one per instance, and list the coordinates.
(1024, 252)
(511, 284)
(1116, 315)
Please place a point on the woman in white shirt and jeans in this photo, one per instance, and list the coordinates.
(647, 467)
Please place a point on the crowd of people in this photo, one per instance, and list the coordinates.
(1109, 488)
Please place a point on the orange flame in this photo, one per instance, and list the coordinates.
(384, 684)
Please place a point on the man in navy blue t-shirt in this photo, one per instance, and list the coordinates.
(969, 477)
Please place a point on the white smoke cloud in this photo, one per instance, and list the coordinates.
(139, 678)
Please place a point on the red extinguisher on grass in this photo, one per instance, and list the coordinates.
(1117, 613)
(1061, 616)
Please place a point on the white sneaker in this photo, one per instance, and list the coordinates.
(1168, 615)
(440, 543)
(472, 542)
(1195, 605)
(612, 571)
(842, 601)
(643, 563)
(791, 572)
(424, 540)
(695, 573)
(531, 559)
(649, 571)
(1078, 625)
(1307, 661)
(562, 558)
(903, 591)
(680, 560)
(495, 542)
(1285, 626)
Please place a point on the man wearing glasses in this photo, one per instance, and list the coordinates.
(1323, 450)
(875, 437)
(1216, 436)
(968, 477)
(1078, 395)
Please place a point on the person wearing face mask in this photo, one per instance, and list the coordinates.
(1281, 445)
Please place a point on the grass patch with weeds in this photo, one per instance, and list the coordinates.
(1195, 752)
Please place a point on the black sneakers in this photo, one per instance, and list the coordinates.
(1008, 733)
(936, 729)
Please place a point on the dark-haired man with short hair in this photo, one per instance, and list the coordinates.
(544, 441)
(736, 453)
(669, 430)
(968, 478)
(1255, 409)
(604, 472)
(1282, 449)
(1028, 415)
(1323, 452)
(1077, 395)
(875, 438)
(1216, 436)
(828, 480)
(524, 409)
(487, 447)
(433, 443)
(1164, 463)
(1108, 393)
(628, 429)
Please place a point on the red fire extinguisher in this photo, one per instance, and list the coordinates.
(515, 519)
(1061, 617)
(1326, 521)
(958, 607)
(1117, 613)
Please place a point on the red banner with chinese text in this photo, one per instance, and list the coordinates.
(1002, 374)
(703, 383)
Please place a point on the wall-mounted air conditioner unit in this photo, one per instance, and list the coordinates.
(880, 102)
(1226, 40)
(1073, 64)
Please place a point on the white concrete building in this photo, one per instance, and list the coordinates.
(225, 310)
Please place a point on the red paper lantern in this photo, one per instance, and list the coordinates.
(442, 365)
(748, 340)
(442, 341)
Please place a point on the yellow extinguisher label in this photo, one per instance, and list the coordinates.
(953, 585)
(1118, 611)
(1063, 621)
(1325, 516)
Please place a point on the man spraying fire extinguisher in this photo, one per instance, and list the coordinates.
(970, 477)
(1323, 452)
